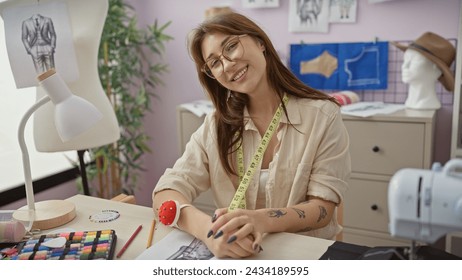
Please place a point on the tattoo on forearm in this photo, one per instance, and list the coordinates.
(322, 213)
(276, 213)
(306, 229)
(301, 213)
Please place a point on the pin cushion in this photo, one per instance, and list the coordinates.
(169, 212)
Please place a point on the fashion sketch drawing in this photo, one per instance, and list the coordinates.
(196, 250)
(39, 39)
(309, 16)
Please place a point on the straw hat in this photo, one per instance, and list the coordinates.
(439, 50)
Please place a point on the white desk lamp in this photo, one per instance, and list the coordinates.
(73, 116)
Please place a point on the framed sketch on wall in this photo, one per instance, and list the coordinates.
(343, 11)
(309, 16)
(252, 4)
(39, 37)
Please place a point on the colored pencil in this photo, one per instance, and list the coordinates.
(151, 233)
(129, 241)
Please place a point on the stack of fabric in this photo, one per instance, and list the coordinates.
(346, 97)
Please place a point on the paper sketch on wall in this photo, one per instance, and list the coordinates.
(39, 37)
(341, 66)
(309, 16)
(252, 4)
(343, 10)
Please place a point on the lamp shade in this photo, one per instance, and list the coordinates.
(73, 114)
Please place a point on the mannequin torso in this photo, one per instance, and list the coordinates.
(87, 19)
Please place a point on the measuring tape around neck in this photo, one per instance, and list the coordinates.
(244, 179)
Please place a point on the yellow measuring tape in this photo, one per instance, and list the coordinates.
(244, 179)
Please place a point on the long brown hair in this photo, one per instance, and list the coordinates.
(230, 107)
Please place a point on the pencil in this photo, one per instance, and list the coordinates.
(129, 241)
(151, 233)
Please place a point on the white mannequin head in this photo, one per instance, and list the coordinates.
(422, 75)
(417, 68)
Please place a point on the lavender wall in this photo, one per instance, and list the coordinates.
(391, 20)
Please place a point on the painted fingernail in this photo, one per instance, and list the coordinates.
(232, 239)
(214, 218)
(220, 233)
(257, 248)
(209, 233)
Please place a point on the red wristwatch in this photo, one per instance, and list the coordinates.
(169, 212)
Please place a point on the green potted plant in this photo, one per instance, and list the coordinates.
(129, 75)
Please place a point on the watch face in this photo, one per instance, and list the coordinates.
(104, 216)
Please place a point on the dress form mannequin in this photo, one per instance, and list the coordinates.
(87, 19)
(422, 75)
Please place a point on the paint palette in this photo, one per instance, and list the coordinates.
(79, 245)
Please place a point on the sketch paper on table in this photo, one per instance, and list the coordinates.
(199, 107)
(367, 109)
(177, 245)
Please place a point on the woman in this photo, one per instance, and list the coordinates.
(292, 182)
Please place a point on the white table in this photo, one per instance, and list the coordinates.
(276, 246)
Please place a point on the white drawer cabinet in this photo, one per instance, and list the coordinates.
(380, 146)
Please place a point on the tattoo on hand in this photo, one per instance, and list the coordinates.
(276, 213)
(322, 213)
(301, 213)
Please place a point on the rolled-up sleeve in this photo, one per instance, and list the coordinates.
(332, 164)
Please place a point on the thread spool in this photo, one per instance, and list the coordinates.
(12, 231)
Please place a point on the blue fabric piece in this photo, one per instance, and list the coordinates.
(360, 65)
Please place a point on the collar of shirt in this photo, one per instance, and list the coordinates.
(293, 111)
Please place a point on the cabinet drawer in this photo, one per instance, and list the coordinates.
(366, 205)
(385, 147)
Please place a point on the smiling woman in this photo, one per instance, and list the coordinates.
(274, 153)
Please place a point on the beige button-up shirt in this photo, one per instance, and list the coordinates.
(312, 159)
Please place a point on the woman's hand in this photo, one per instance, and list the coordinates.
(237, 249)
(241, 227)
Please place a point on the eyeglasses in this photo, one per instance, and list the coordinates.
(231, 51)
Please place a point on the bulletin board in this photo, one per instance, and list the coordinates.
(395, 91)
(341, 66)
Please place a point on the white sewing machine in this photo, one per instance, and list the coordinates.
(424, 205)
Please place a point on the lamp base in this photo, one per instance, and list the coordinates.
(48, 214)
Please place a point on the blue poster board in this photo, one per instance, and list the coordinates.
(341, 66)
